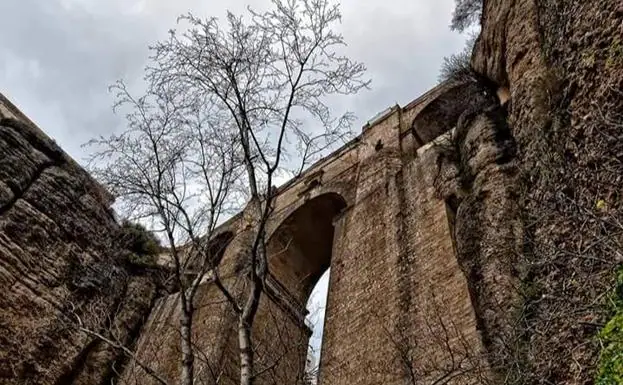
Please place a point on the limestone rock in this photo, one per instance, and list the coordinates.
(58, 261)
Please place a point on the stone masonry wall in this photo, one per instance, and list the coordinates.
(408, 314)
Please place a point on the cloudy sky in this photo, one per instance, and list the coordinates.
(58, 57)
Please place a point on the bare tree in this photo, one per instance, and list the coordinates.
(226, 109)
(174, 167)
(466, 13)
(457, 67)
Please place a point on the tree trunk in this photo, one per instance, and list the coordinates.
(244, 331)
(246, 353)
(186, 344)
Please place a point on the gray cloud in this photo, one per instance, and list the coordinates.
(58, 57)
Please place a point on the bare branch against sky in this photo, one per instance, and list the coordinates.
(227, 104)
(58, 57)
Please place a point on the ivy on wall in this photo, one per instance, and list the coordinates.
(610, 367)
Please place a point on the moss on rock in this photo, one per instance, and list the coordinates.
(610, 368)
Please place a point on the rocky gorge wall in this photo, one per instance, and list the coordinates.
(59, 261)
(544, 231)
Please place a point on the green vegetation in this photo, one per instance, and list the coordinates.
(610, 368)
(142, 244)
(615, 54)
(588, 59)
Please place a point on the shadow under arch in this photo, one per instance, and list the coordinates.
(213, 250)
(440, 114)
(301, 247)
(217, 245)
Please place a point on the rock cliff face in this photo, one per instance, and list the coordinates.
(58, 262)
(478, 177)
(552, 234)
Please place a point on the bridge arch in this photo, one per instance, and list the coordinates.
(441, 112)
(301, 246)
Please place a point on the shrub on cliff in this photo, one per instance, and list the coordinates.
(142, 244)
(457, 67)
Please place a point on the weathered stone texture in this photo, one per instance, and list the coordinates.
(561, 61)
(58, 261)
(476, 256)
(479, 177)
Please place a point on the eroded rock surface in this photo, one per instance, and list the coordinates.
(59, 262)
(478, 177)
(563, 64)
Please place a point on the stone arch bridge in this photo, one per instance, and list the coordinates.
(369, 211)
(398, 305)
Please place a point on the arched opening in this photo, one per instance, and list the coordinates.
(214, 251)
(300, 253)
(316, 310)
(442, 113)
(300, 249)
